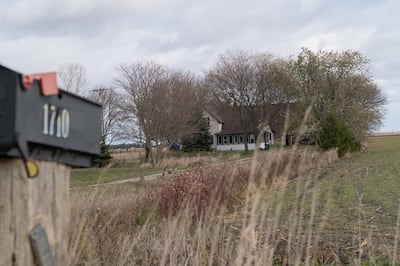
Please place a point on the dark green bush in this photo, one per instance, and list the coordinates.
(335, 134)
(201, 141)
(104, 157)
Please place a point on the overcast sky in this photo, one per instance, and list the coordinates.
(40, 35)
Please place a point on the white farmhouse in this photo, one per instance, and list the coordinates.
(229, 133)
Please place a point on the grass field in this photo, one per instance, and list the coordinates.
(367, 185)
(84, 177)
(344, 212)
(351, 205)
(128, 165)
(369, 180)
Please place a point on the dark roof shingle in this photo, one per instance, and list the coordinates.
(235, 119)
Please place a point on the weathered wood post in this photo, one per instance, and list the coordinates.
(26, 202)
(43, 130)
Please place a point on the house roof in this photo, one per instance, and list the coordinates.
(214, 113)
(235, 119)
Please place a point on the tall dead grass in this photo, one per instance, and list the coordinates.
(223, 214)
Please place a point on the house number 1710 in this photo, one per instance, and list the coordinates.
(55, 121)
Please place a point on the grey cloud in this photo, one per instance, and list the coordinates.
(100, 34)
(72, 17)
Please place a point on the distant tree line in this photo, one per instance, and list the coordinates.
(155, 106)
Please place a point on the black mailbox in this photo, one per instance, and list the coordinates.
(39, 121)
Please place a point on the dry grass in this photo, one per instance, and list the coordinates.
(251, 214)
(131, 154)
(172, 159)
(283, 207)
(186, 162)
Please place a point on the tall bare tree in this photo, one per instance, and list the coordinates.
(140, 81)
(73, 77)
(233, 82)
(244, 80)
(272, 100)
(162, 102)
(112, 111)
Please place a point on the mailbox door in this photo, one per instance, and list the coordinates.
(8, 91)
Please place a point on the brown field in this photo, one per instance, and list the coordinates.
(384, 134)
(127, 154)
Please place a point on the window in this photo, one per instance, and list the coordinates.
(251, 138)
(230, 139)
(240, 139)
(236, 139)
(225, 140)
(219, 140)
(268, 137)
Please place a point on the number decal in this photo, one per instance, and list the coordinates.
(53, 111)
(46, 119)
(55, 121)
(64, 123)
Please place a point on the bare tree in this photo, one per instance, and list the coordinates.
(162, 102)
(139, 82)
(271, 99)
(73, 77)
(245, 81)
(233, 82)
(112, 112)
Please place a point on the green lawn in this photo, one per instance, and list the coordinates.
(355, 198)
(367, 185)
(90, 176)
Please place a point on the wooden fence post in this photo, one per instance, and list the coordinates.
(26, 202)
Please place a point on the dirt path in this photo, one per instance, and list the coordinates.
(133, 179)
(158, 175)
